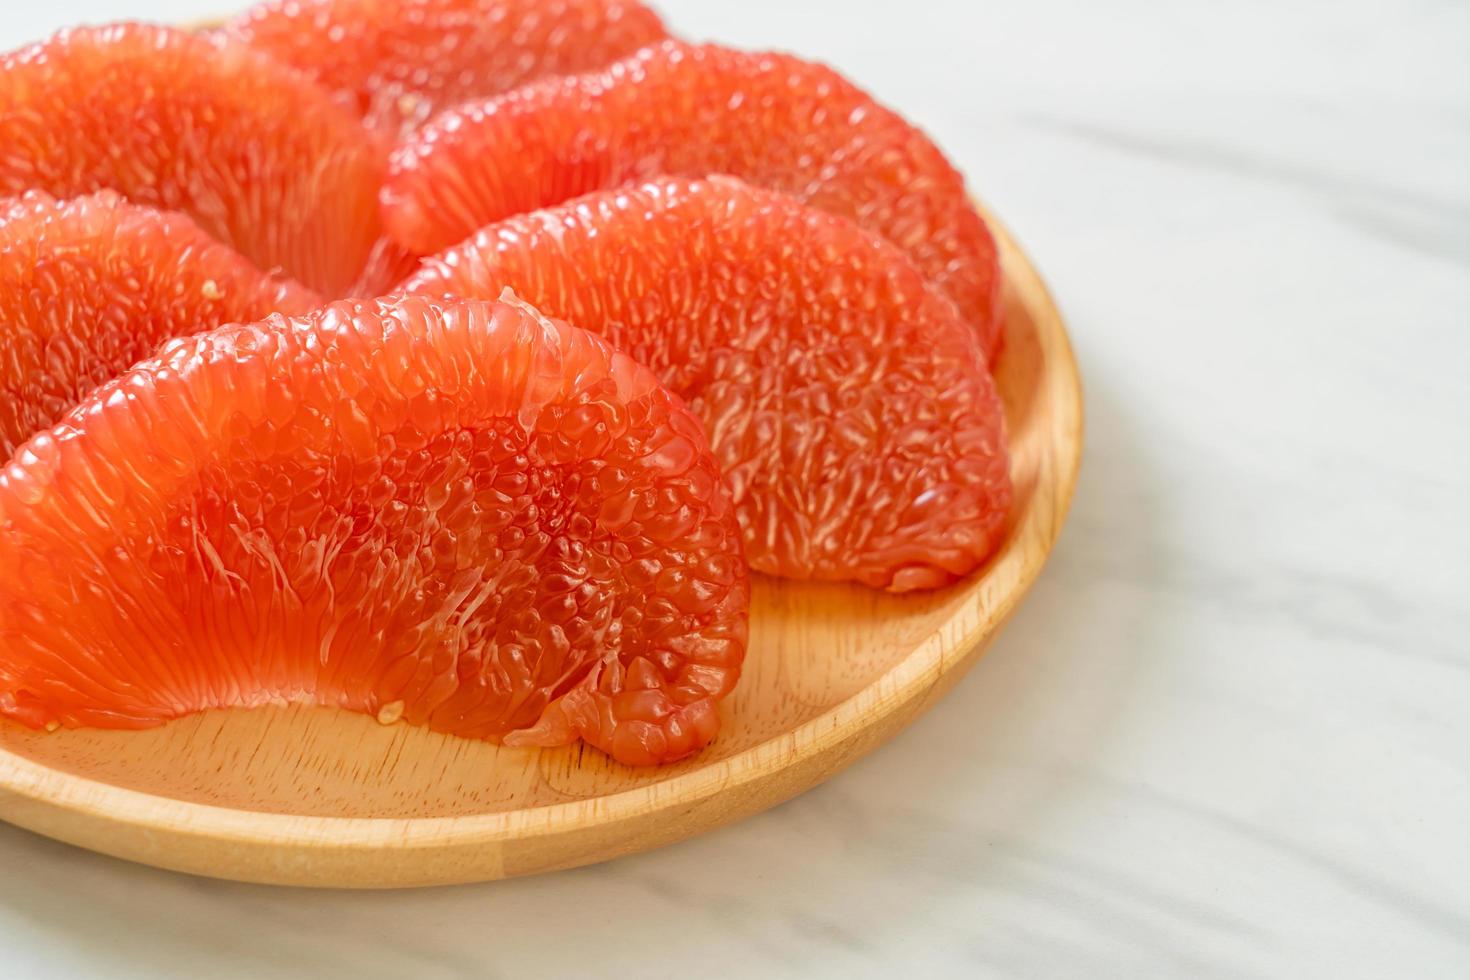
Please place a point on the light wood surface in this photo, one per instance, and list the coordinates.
(312, 796)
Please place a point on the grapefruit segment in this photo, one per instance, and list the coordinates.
(91, 285)
(399, 63)
(674, 108)
(846, 399)
(464, 516)
(260, 157)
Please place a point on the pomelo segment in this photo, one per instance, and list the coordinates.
(770, 119)
(400, 61)
(259, 156)
(388, 264)
(466, 516)
(91, 285)
(846, 399)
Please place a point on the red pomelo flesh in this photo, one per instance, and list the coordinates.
(388, 264)
(770, 119)
(846, 399)
(400, 62)
(467, 516)
(91, 285)
(260, 157)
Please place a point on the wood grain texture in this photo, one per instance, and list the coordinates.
(314, 796)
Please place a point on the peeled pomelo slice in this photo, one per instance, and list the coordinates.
(846, 399)
(466, 516)
(388, 264)
(401, 62)
(91, 285)
(259, 156)
(770, 119)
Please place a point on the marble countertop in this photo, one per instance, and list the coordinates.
(1229, 733)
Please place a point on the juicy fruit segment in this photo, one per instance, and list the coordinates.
(845, 398)
(89, 286)
(387, 265)
(261, 158)
(770, 119)
(399, 63)
(466, 516)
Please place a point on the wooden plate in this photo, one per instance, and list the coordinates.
(312, 796)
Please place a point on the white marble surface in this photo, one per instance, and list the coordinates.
(1229, 735)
